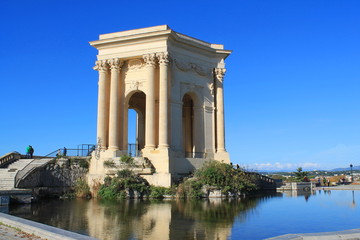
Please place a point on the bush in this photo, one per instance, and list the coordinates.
(159, 192)
(82, 189)
(219, 175)
(125, 181)
(84, 163)
(109, 163)
(127, 159)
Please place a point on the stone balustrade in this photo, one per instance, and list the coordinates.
(9, 158)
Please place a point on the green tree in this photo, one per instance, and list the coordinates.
(301, 175)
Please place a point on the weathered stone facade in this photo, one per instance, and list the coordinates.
(175, 84)
(57, 177)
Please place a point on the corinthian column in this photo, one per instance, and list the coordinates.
(103, 102)
(150, 102)
(114, 123)
(220, 123)
(163, 100)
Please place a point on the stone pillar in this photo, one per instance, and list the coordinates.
(103, 102)
(198, 131)
(163, 100)
(114, 123)
(220, 123)
(150, 102)
(125, 128)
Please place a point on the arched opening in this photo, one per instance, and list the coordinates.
(136, 124)
(188, 125)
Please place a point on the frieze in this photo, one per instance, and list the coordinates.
(135, 64)
(134, 85)
(185, 67)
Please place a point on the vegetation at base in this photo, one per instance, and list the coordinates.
(220, 176)
(127, 159)
(212, 176)
(82, 189)
(125, 182)
(161, 192)
(109, 163)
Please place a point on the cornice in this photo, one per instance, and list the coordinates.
(160, 33)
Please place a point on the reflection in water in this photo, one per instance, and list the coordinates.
(353, 199)
(251, 218)
(297, 193)
(137, 219)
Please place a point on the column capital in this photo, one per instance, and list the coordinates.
(101, 66)
(220, 73)
(149, 59)
(164, 58)
(115, 64)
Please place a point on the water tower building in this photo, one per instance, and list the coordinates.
(174, 83)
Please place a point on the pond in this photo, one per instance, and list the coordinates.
(255, 217)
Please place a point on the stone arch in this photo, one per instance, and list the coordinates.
(192, 126)
(135, 100)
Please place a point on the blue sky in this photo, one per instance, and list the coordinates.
(291, 89)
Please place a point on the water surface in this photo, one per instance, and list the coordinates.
(251, 218)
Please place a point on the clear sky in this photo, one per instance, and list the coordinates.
(291, 88)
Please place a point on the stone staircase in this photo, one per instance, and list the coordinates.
(7, 175)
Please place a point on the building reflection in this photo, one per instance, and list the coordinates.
(136, 219)
(175, 219)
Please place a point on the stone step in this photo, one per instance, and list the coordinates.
(20, 164)
(7, 175)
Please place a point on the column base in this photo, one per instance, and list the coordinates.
(165, 146)
(149, 147)
(159, 157)
(222, 157)
(113, 148)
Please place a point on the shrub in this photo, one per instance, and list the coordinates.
(84, 163)
(82, 189)
(194, 189)
(125, 181)
(109, 163)
(127, 159)
(159, 192)
(125, 173)
(219, 175)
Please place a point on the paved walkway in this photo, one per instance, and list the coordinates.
(15, 228)
(8, 233)
(341, 187)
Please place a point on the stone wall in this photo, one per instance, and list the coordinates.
(55, 177)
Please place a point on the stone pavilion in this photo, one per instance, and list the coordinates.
(174, 82)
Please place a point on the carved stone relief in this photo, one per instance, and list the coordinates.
(135, 64)
(186, 66)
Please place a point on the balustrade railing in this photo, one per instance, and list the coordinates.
(9, 158)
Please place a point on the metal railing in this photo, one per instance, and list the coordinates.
(61, 152)
(133, 150)
(85, 149)
(74, 152)
(29, 168)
